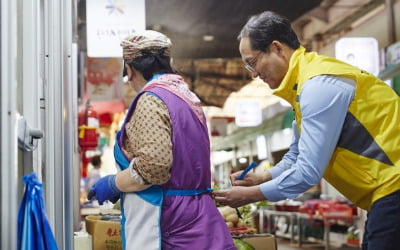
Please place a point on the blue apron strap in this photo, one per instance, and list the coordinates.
(186, 192)
(119, 156)
(153, 195)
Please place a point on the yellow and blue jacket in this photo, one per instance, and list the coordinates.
(365, 165)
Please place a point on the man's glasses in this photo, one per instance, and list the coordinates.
(249, 65)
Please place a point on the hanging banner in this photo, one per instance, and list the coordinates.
(248, 114)
(109, 21)
(104, 79)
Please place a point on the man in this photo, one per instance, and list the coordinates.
(346, 129)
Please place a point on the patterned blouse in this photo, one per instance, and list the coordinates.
(148, 139)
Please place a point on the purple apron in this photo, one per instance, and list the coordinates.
(188, 217)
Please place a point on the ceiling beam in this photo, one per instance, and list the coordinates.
(214, 102)
(348, 21)
(215, 75)
(230, 87)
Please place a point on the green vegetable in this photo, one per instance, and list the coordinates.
(117, 206)
(242, 245)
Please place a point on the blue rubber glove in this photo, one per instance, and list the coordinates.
(105, 189)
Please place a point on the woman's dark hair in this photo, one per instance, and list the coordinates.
(266, 27)
(150, 64)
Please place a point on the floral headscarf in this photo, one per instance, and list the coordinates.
(155, 42)
(147, 40)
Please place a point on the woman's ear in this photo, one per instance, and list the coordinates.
(130, 73)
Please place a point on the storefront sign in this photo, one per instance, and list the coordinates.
(362, 52)
(110, 21)
(218, 126)
(393, 54)
(248, 114)
(262, 150)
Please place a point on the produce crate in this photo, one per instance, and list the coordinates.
(105, 234)
(259, 241)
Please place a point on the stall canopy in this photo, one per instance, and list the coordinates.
(204, 34)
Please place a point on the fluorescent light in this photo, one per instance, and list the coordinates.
(208, 38)
(242, 160)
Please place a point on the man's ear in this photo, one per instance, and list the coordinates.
(276, 46)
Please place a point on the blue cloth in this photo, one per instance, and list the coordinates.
(186, 192)
(382, 229)
(105, 189)
(324, 102)
(34, 231)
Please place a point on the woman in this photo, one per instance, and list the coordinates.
(163, 151)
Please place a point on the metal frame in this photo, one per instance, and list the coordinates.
(8, 157)
(59, 119)
(31, 86)
(43, 55)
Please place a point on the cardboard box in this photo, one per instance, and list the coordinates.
(260, 241)
(82, 241)
(106, 235)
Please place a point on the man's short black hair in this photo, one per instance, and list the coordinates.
(262, 29)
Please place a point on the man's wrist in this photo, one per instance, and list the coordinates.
(265, 176)
(257, 194)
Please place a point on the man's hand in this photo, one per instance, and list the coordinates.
(238, 196)
(105, 189)
(250, 179)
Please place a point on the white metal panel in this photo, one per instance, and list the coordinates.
(76, 174)
(8, 109)
(58, 125)
(69, 126)
(32, 89)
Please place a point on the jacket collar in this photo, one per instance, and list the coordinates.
(288, 87)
